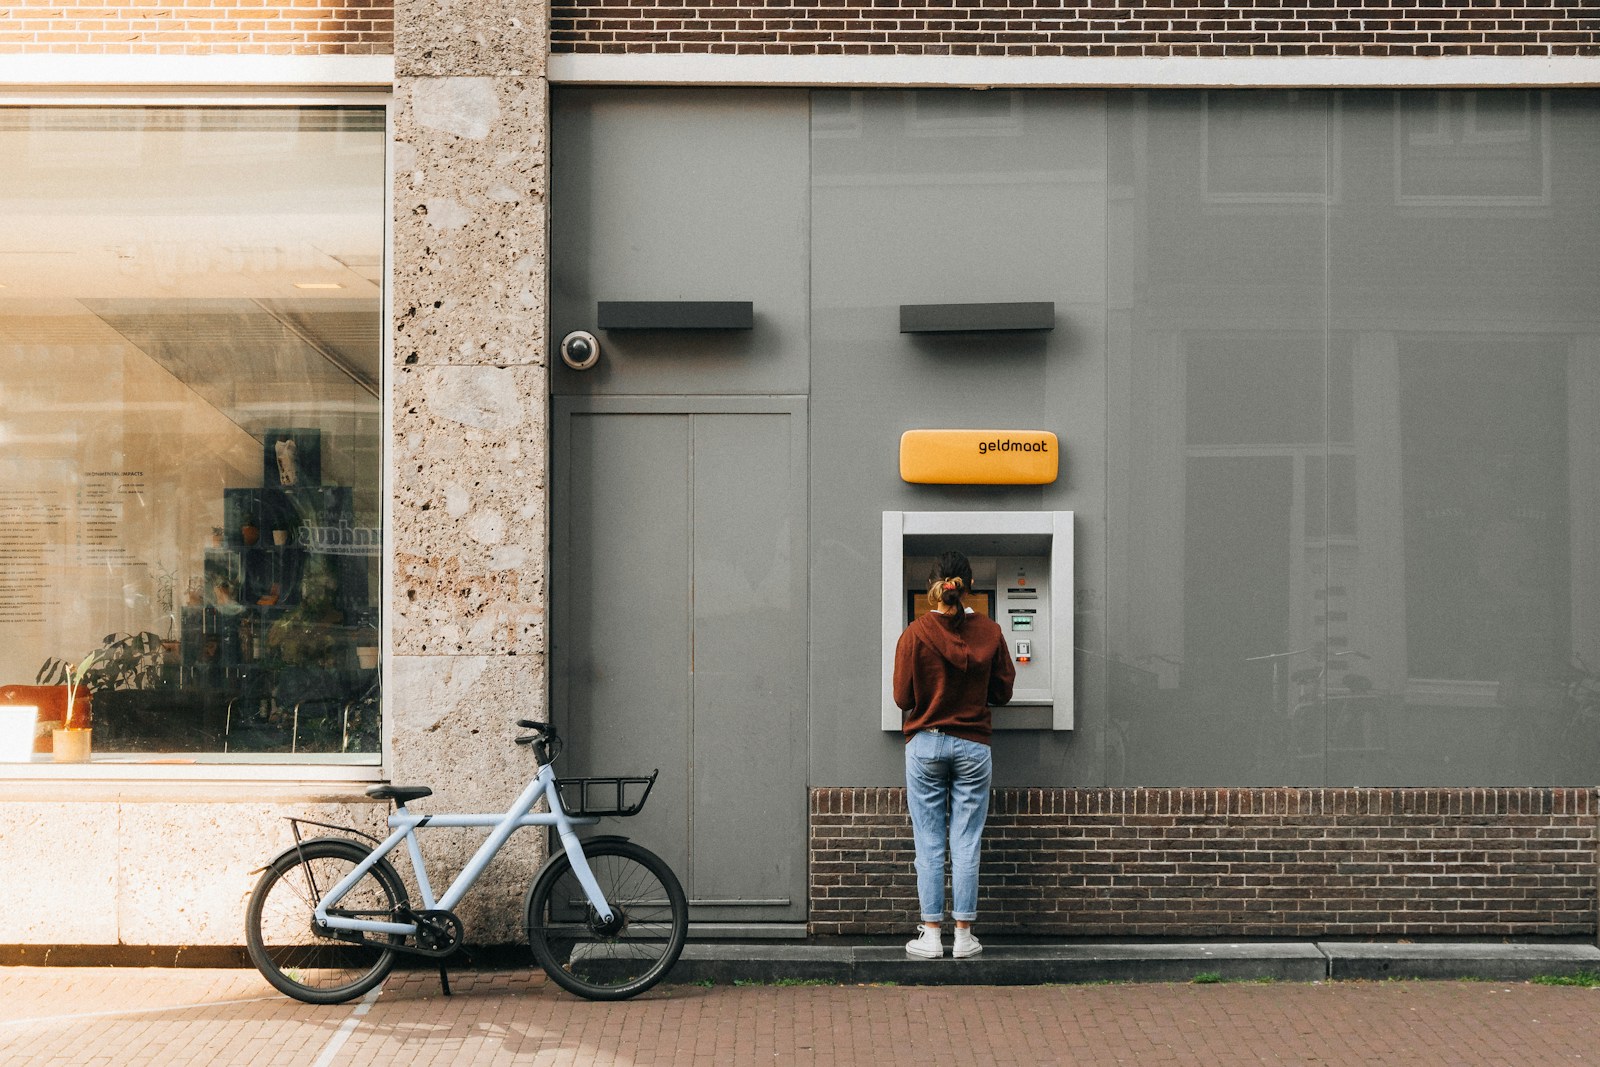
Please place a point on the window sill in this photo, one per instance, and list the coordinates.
(203, 767)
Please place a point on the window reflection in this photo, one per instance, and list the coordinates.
(1269, 147)
(189, 368)
(1472, 149)
(1359, 448)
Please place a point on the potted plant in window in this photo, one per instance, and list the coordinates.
(70, 742)
(120, 675)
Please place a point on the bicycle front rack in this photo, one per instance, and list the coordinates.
(605, 796)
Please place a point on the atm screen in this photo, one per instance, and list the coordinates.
(978, 600)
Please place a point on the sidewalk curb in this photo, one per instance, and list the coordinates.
(1036, 964)
(1002, 963)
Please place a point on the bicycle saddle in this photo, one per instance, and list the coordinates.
(398, 793)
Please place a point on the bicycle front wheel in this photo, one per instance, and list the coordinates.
(628, 955)
(285, 948)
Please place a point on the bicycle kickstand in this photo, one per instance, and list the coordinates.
(444, 978)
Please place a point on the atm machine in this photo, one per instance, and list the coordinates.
(1022, 576)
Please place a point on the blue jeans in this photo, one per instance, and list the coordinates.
(944, 772)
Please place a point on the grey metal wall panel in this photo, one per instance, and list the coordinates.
(1388, 299)
(681, 194)
(750, 694)
(621, 677)
(947, 197)
(680, 582)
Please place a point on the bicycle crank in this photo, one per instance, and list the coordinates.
(439, 932)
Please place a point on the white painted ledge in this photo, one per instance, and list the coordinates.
(1019, 72)
(245, 72)
(208, 71)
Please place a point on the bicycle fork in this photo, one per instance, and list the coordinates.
(605, 916)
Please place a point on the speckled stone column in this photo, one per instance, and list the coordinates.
(470, 443)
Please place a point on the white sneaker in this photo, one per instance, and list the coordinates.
(926, 944)
(966, 944)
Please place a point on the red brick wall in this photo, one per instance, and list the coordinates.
(256, 27)
(1085, 28)
(1294, 863)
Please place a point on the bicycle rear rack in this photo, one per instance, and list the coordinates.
(296, 821)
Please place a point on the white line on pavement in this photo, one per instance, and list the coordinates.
(336, 1042)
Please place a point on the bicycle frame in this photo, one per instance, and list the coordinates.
(405, 826)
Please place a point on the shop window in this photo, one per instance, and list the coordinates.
(190, 429)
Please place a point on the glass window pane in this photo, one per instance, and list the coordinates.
(190, 426)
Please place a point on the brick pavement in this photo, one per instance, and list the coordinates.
(172, 1017)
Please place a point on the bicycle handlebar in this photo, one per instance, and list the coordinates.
(545, 740)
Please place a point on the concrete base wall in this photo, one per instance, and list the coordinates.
(85, 863)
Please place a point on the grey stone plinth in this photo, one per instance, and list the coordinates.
(1499, 962)
(1030, 964)
(1038, 963)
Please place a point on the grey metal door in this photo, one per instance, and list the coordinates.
(679, 636)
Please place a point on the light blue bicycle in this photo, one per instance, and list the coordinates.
(606, 919)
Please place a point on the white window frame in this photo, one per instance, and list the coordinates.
(228, 81)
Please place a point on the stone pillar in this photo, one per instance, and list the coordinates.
(470, 401)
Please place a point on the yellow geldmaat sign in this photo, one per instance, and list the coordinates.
(979, 457)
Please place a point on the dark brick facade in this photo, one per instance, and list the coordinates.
(201, 27)
(1092, 28)
(1244, 863)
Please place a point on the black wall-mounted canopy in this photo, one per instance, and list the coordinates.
(977, 318)
(676, 315)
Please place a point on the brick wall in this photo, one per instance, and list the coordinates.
(1291, 863)
(256, 27)
(1091, 28)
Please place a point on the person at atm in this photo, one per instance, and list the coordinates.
(950, 665)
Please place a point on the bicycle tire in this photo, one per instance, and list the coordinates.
(642, 945)
(278, 923)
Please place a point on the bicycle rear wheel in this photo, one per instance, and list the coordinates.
(616, 960)
(278, 924)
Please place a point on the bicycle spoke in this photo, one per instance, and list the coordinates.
(625, 956)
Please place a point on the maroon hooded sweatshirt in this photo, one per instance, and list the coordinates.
(946, 676)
